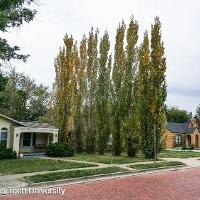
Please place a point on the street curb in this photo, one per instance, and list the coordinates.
(101, 177)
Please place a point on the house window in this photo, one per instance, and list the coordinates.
(178, 139)
(4, 136)
(27, 139)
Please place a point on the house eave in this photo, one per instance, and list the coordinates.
(30, 129)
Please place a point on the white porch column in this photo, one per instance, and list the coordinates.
(55, 136)
(16, 141)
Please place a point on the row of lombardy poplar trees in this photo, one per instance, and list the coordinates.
(120, 96)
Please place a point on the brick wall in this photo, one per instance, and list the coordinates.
(170, 139)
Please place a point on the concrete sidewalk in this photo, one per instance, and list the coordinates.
(190, 162)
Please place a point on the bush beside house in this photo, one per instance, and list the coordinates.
(59, 150)
(6, 153)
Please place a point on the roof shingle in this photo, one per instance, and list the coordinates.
(36, 124)
(180, 127)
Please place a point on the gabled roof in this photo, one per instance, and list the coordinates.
(197, 121)
(180, 127)
(12, 120)
(31, 124)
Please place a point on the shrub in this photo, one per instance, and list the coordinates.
(192, 147)
(184, 148)
(7, 153)
(59, 150)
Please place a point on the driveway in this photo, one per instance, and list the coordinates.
(171, 185)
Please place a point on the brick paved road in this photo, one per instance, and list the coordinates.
(174, 185)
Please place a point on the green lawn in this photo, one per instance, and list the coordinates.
(107, 158)
(179, 154)
(156, 165)
(71, 174)
(26, 165)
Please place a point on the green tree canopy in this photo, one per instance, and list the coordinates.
(21, 98)
(198, 111)
(13, 13)
(174, 114)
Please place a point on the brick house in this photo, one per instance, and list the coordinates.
(183, 134)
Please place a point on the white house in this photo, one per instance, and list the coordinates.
(26, 136)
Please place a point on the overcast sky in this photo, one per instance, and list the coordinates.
(180, 30)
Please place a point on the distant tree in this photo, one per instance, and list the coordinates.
(38, 103)
(22, 99)
(13, 14)
(3, 81)
(197, 114)
(174, 114)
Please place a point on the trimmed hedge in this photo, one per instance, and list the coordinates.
(59, 150)
(7, 153)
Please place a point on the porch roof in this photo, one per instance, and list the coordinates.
(36, 124)
(180, 127)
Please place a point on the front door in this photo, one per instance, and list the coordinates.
(27, 142)
(188, 141)
(196, 141)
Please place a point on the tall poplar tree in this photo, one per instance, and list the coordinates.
(92, 66)
(157, 80)
(102, 95)
(64, 86)
(117, 80)
(80, 95)
(78, 100)
(130, 122)
(144, 92)
(152, 90)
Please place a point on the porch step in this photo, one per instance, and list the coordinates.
(34, 155)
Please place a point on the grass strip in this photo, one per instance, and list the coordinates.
(27, 165)
(156, 165)
(108, 158)
(179, 154)
(71, 174)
